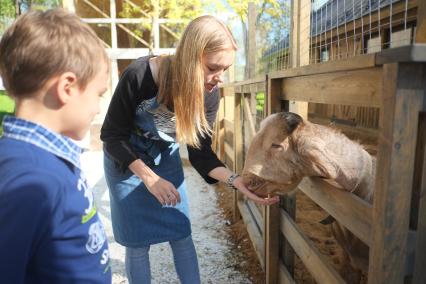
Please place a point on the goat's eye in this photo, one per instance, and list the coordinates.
(276, 146)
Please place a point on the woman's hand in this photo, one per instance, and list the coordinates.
(238, 183)
(163, 190)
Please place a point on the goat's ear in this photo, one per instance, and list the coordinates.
(311, 151)
(292, 120)
(322, 164)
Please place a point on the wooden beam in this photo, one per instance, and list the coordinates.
(94, 7)
(251, 58)
(254, 233)
(271, 241)
(358, 88)
(353, 63)
(130, 32)
(420, 258)
(347, 208)
(229, 151)
(409, 53)
(402, 100)
(421, 22)
(288, 204)
(300, 36)
(133, 53)
(314, 261)
(273, 103)
(249, 118)
(257, 215)
(284, 276)
(238, 150)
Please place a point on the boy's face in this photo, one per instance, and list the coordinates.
(84, 105)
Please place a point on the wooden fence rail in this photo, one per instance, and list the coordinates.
(394, 81)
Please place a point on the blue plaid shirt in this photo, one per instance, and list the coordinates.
(42, 137)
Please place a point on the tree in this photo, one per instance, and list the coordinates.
(179, 12)
(271, 23)
(7, 13)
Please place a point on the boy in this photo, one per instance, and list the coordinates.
(55, 68)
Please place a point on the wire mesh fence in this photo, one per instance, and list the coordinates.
(339, 29)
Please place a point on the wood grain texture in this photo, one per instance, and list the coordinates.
(402, 100)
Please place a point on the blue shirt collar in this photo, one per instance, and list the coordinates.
(42, 137)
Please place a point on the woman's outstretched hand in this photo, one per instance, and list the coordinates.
(238, 183)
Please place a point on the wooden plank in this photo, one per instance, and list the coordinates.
(227, 90)
(315, 262)
(294, 32)
(254, 233)
(257, 215)
(351, 211)
(402, 100)
(284, 276)
(420, 258)
(360, 62)
(229, 125)
(259, 79)
(274, 96)
(238, 150)
(229, 151)
(288, 204)
(409, 53)
(251, 58)
(300, 41)
(421, 22)
(418, 170)
(271, 240)
(361, 133)
(249, 118)
(357, 88)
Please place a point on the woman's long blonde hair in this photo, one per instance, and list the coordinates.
(181, 76)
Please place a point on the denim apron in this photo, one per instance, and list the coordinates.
(138, 218)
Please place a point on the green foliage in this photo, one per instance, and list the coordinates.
(7, 106)
(181, 10)
(7, 14)
(8, 9)
(271, 22)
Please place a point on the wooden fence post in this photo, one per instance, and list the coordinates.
(251, 37)
(271, 241)
(421, 22)
(238, 149)
(402, 101)
(300, 45)
(288, 204)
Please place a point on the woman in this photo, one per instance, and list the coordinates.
(159, 103)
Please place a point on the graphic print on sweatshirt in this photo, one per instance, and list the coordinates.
(96, 234)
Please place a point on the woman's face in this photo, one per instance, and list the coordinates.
(214, 65)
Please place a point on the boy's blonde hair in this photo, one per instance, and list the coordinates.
(181, 76)
(40, 45)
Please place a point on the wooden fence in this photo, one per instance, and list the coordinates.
(394, 81)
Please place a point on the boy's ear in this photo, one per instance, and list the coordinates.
(66, 86)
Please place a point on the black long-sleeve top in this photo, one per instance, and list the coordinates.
(136, 85)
